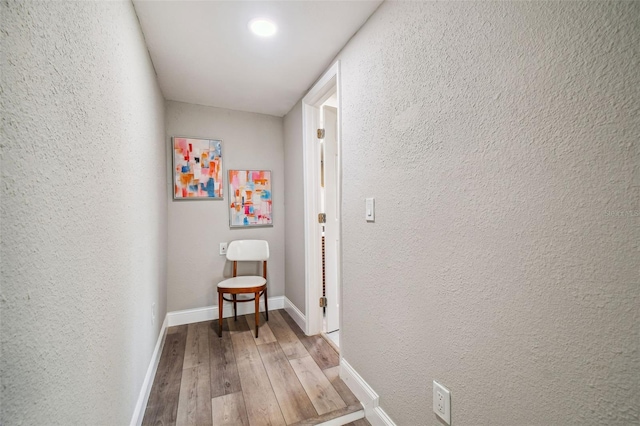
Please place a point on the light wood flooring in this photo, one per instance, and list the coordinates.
(282, 378)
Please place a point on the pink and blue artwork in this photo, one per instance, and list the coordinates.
(250, 201)
(197, 169)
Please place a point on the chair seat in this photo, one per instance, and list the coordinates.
(242, 282)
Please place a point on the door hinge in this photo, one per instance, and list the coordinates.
(322, 218)
(323, 302)
(320, 133)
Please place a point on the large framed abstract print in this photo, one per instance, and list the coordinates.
(250, 198)
(197, 169)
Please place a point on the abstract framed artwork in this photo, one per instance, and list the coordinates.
(197, 169)
(250, 198)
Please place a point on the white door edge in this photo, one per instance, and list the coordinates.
(332, 211)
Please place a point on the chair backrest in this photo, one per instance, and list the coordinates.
(248, 250)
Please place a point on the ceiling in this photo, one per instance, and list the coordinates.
(204, 53)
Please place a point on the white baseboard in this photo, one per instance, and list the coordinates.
(145, 391)
(344, 419)
(365, 393)
(209, 313)
(295, 313)
(379, 417)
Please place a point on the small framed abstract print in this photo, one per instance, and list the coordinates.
(197, 169)
(250, 198)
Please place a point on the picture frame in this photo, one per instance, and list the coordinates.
(197, 169)
(250, 198)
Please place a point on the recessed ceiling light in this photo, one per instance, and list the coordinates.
(263, 27)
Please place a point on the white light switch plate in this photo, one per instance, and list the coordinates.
(442, 402)
(223, 249)
(370, 209)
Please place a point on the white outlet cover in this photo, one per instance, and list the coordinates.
(439, 392)
(223, 249)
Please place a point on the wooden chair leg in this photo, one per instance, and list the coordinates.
(266, 304)
(257, 312)
(219, 313)
(235, 308)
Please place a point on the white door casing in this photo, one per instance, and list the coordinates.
(328, 84)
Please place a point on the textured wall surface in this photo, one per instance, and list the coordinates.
(83, 212)
(196, 228)
(294, 259)
(500, 141)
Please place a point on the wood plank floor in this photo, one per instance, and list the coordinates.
(282, 378)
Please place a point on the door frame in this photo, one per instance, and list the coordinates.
(320, 92)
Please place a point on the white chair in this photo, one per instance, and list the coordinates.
(245, 251)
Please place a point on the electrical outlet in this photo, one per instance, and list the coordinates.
(223, 249)
(442, 402)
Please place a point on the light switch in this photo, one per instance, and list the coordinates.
(370, 210)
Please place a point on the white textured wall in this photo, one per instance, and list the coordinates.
(83, 212)
(196, 228)
(294, 207)
(496, 138)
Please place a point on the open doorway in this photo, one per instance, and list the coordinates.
(322, 175)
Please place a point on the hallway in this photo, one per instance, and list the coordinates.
(498, 141)
(283, 377)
